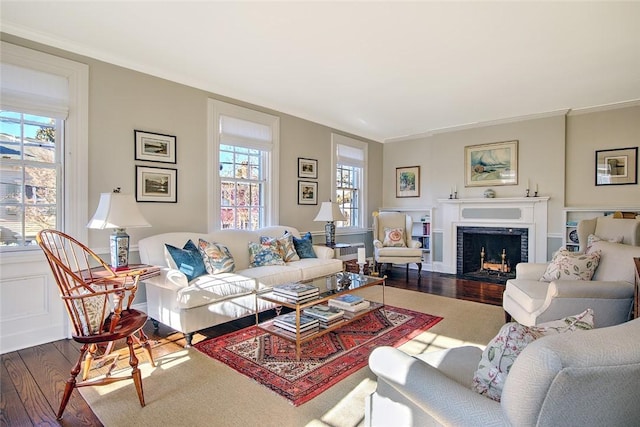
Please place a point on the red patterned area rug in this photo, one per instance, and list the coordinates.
(324, 361)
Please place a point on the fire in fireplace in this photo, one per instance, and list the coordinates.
(490, 253)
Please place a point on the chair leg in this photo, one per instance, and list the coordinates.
(507, 317)
(135, 372)
(407, 273)
(71, 382)
(419, 269)
(144, 342)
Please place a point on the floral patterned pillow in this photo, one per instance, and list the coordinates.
(285, 246)
(394, 237)
(502, 351)
(261, 254)
(216, 257)
(91, 311)
(567, 265)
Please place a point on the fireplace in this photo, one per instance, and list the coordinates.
(490, 253)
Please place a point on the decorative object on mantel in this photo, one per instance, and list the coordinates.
(408, 181)
(454, 192)
(489, 194)
(491, 164)
(617, 167)
(528, 192)
(118, 211)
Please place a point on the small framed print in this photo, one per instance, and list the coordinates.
(156, 184)
(307, 168)
(307, 193)
(408, 181)
(154, 147)
(617, 167)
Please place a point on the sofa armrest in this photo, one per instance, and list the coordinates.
(169, 278)
(442, 398)
(590, 289)
(377, 243)
(530, 270)
(323, 252)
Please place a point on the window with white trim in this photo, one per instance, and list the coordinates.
(245, 146)
(30, 176)
(44, 144)
(350, 160)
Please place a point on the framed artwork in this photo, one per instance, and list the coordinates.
(491, 164)
(156, 184)
(307, 193)
(307, 168)
(408, 181)
(617, 167)
(154, 147)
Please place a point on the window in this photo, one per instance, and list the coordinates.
(29, 177)
(350, 159)
(243, 159)
(43, 107)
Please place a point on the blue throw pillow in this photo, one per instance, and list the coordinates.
(188, 260)
(304, 246)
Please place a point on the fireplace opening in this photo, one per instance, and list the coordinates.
(490, 253)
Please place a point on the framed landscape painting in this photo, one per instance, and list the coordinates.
(617, 167)
(156, 184)
(154, 147)
(408, 181)
(487, 165)
(307, 193)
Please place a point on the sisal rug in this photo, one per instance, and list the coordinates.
(324, 361)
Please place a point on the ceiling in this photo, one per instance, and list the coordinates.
(380, 70)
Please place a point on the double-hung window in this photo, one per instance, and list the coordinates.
(350, 160)
(244, 163)
(30, 176)
(43, 146)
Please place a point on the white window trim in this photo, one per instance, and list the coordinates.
(345, 140)
(216, 108)
(75, 187)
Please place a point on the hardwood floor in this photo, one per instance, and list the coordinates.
(32, 380)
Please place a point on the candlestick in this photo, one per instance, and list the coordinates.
(362, 257)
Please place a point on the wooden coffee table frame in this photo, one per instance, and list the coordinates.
(328, 286)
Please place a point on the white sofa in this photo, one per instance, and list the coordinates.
(210, 300)
(583, 378)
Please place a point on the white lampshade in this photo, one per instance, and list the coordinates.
(117, 210)
(330, 211)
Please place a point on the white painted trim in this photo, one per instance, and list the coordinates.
(476, 125)
(604, 107)
(361, 145)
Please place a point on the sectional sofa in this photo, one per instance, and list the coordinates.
(212, 299)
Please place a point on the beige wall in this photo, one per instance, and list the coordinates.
(441, 161)
(604, 130)
(121, 100)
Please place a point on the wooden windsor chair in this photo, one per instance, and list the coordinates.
(94, 296)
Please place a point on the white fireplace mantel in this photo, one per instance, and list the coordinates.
(517, 212)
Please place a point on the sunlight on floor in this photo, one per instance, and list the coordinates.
(428, 341)
(349, 411)
(167, 361)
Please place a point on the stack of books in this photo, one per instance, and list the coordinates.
(297, 293)
(327, 316)
(287, 322)
(349, 303)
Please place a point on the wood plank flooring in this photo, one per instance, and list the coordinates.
(32, 380)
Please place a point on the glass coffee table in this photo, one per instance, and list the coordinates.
(328, 287)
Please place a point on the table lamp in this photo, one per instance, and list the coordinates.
(330, 212)
(118, 211)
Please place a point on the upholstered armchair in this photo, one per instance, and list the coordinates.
(580, 378)
(392, 241)
(609, 291)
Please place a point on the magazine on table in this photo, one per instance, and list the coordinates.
(324, 312)
(296, 289)
(363, 305)
(347, 299)
(289, 321)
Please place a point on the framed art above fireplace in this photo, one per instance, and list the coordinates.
(491, 164)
